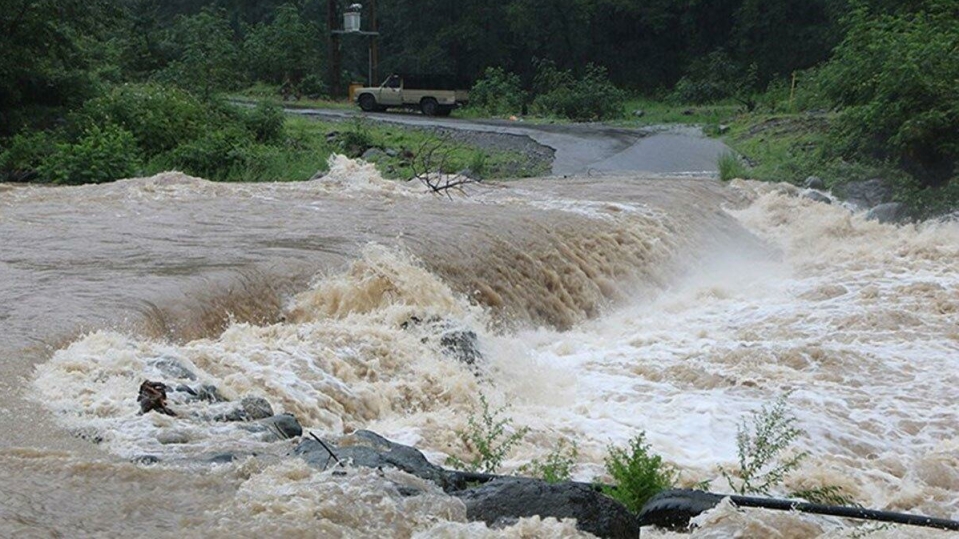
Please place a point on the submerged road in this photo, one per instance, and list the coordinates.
(582, 148)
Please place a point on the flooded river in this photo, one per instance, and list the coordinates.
(604, 307)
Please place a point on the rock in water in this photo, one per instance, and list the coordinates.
(153, 397)
(284, 425)
(865, 194)
(815, 182)
(817, 196)
(250, 409)
(370, 450)
(171, 367)
(502, 501)
(891, 212)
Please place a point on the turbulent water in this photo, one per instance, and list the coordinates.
(604, 307)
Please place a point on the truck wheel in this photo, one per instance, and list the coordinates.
(368, 103)
(429, 106)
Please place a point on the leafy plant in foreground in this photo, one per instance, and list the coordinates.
(489, 438)
(639, 474)
(556, 467)
(761, 442)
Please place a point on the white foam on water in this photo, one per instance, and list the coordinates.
(858, 322)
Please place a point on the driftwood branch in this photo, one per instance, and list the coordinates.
(430, 163)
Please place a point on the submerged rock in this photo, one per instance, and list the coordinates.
(249, 409)
(865, 194)
(817, 196)
(207, 393)
(814, 182)
(172, 368)
(504, 500)
(370, 450)
(891, 212)
(284, 426)
(457, 342)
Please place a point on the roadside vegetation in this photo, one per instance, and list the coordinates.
(841, 90)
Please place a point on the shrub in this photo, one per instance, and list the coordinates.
(24, 154)
(639, 474)
(761, 443)
(488, 438)
(356, 140)
(717, 77)
(592, 97)
(100, 155)
(556, 467)
(265, 122)
(498, 92)
(159, 117)
(217, 155)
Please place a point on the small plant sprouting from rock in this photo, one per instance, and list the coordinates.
(639, 474)
(489, 438)
(762, 442)
(556, 467)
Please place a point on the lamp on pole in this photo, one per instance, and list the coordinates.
(352, 24)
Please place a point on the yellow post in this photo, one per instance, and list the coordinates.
(792, 93)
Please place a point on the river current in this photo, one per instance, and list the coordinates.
(604, 307)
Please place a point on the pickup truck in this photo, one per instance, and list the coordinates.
(411, 92)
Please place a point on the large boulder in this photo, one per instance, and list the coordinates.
(817, 196)
(890, 212)
(502, 501)
(370, 450)
(815, 182)
(865, 194)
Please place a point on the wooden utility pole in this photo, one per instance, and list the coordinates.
(374, 45)
(332, 22)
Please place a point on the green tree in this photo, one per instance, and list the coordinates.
(208, 56)
(283, 51)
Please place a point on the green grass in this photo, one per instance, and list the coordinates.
(731, 167)
(658, 112)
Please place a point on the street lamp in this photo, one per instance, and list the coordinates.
(352, 24)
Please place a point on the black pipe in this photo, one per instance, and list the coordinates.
(845, 512)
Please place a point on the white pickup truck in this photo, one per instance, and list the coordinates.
(411, 92)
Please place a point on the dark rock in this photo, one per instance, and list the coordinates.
(501, 500)
(890, 212)
(462, 344)
(332, 136)
(152, 397)
(207, 393)
(391, 152)
(370, 450)
(817, 196)
(723, 129)
(145, 459)
(689, 112)
(250, 409)
(814, 182)
(372, 154)
(222, 458)
(865, 194)
(639, 113)
(285, 426)
(171, 367)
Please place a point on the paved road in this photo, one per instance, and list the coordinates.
(584, 148)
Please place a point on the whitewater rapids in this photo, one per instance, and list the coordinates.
(604, 307)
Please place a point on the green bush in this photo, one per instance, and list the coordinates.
(716, 77)
(159, 117)
(639, 474)
(24, 153)
(100, 155)
(498, 92)
(220, 154)
(556, 467)
(488, 438)
(265, 122)
(895, 76)
(592, 97)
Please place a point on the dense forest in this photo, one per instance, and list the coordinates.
(888, 69)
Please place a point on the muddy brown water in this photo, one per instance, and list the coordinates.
(594, 298)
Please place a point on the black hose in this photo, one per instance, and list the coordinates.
(846, 512)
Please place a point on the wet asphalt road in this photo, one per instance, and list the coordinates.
(583, 148)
